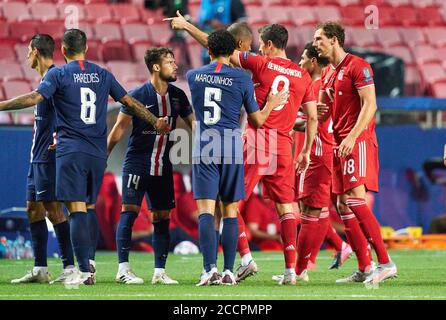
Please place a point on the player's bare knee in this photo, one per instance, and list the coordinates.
(161, 215)
(91, 206)
(283, 208)
(55, 212)
(35, 211)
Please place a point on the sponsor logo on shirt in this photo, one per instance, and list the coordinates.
(341, 75)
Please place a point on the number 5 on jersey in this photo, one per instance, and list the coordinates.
(210, 96)
(88, 106)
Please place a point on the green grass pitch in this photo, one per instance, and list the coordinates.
(421, 276)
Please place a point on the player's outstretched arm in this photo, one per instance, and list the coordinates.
(258, 118)
(22, 102)
(118, 130)
(160, 124)
(368, 109)
(180, 23)
(303, 160)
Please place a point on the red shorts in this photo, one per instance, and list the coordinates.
(277, 176)
(313, 187)
(361, 167)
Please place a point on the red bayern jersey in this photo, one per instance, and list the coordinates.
(323, 142)
(341, 84)
(276, 73)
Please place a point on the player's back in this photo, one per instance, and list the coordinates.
(218, 94)
(275, 73)
(81, 91)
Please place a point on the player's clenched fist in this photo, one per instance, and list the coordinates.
(162, 125)
(178, 22)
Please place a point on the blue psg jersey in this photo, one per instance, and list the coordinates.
(148, 151)
(80, 90)
(218, 94)
(44, 126)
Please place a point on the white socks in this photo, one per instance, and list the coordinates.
(246, 259)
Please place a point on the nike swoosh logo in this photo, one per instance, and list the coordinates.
(40, 192)
(148, 107)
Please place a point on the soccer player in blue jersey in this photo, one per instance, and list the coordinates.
(80, 90)
(218, 94)
(41, 193)
(147, 166)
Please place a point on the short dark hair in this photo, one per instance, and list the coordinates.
(154, 55)
(276, 33)
(74, 41)
(239, 30)
(333, 29)
(44, 43)
(221, 43)
(312, 53)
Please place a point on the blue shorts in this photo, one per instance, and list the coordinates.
(218, 181)
(159, 189)
(79, 177)
(41, 182)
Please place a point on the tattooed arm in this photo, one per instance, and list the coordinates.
(21, 102)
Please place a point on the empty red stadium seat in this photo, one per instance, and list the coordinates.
(98, 12)
(412, 36)
(107, 32)
(303, 16)
(152, 16)
(430, 16)
(194, 52)
(160, 33)
(94, 52)
(327, 2)
(361, 37)
(401, 52)
(139, 49)
(15, 88)
(388, 37)
(4, 30)
(126, 70)
(5, 117)
(133, 84)
(412, 81)
(44, 11)
(255, 14)
(116, 50)
(95, 1)
(305, 34)
(7, 52)
(387, 16)
(24, 30)
(125, 13)
(439, 89)
(276, 14)
(425, 54)
(269, 3)
(328, 13)
(69, 9)
(407, 15)
(135, 32)
(432, 72)
(54, 28)
(88, 29)
(398, 3)
(436, 36)
(344, 3)
(423, 3)
(353, 15)
(21, 51)
(25, 118)
(16, 11)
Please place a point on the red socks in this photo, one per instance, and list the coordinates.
(320, 235)
(242, 244)
(308, 236)
(288, 232)
(356, 239)
(370, 227)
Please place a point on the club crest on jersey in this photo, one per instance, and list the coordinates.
(367, 76)
(341, 75)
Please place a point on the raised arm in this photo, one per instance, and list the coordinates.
(22, 102)
(118, 130)
(160, 124)
(258, 118)
(180, 23)
(368, 108)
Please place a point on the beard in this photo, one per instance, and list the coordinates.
(170, 78)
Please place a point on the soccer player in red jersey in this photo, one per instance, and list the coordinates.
(348, 86)
(268, 150)
(314, 184)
